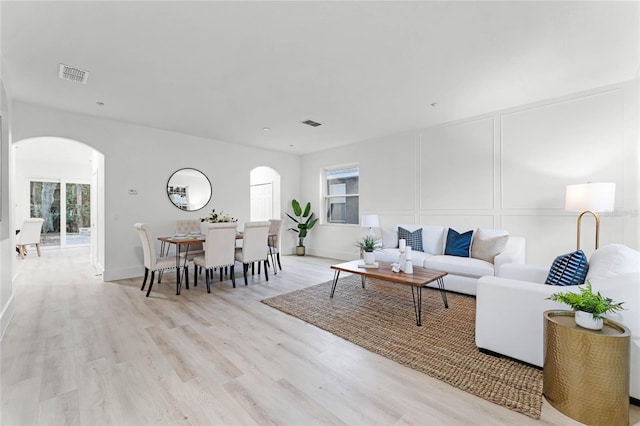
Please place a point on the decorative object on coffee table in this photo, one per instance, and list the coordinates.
(367, 246)
(589, 385)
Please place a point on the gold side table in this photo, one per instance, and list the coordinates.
(586, 372)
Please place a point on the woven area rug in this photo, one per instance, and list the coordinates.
(381, 318)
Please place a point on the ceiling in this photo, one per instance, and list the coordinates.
(226, 70)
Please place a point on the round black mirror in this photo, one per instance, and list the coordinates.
(189, 189)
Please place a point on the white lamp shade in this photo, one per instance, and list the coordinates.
(370, 221)
(595, 197)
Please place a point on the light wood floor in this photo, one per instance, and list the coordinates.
(80, 351)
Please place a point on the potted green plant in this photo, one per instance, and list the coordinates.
(367, 246)
(305, 220)
(589, 307)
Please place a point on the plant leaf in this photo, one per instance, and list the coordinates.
(307, 209)
(297, 210)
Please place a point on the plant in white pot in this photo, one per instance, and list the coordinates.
(367, 246)
(589, 307)
(305, 220)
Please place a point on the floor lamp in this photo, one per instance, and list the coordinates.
(590, 198)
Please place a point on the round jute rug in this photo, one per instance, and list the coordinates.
(381, 318)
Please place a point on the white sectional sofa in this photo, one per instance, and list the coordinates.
(463, 272)
(509, 309)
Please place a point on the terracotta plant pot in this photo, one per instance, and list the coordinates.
(300, 250)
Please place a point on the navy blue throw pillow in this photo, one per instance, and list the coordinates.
(568, 269)
(414, 239)
(458, 244)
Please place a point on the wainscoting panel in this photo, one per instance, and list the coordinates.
(575, 141)
(456, 166)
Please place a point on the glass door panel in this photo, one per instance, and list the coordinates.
(45, 203)
(78, 215)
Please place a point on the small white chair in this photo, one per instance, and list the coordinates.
(254, 246)
(219, 251)
(152, 262)
(29, 234)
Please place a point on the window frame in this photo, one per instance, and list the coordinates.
(326, 197)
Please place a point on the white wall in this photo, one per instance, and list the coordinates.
(143, 159)
(507, 169)
(7, 256)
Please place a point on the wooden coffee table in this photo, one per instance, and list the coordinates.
(419, 279)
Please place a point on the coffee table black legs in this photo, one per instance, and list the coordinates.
(416, 293)
(336, 275)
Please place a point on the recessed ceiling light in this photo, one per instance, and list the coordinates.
(100, 103)
(266, 129)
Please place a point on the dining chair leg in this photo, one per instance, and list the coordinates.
(186, 277)
(160, 275)
(195, 275)
(253, 268)
(38, 248)
(144, 281)
(221, 268)
(278, 257)
(153, 274)
(245, 268)
(233, 275)
(208, 275)
(266, 270)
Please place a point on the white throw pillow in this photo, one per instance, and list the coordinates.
(612, 260)
(389, 238)
(433, 239)
(486, 245)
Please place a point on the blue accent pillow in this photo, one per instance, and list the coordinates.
(458, 244)
(568, 269)
(414, 239)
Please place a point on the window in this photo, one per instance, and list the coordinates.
(341, 195)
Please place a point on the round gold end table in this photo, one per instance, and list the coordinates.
(586, 372)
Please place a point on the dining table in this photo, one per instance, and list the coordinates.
(182, 246)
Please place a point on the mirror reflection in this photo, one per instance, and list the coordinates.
(189, 189)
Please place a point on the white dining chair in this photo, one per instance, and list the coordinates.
(220, 241)
(152, 262)
(191, 226)
(30, 233)
(254, 246)
(275, 229)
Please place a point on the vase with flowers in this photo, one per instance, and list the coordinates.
(214, 217)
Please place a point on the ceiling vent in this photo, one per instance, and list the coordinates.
(76, 75)
(311, 123)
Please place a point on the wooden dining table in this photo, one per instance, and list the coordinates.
(182, 246)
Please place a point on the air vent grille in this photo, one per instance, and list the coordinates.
(76, 75)
(311, 123)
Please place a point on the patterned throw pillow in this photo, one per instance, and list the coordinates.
(414, 239)
(458, 244)
(568, 269)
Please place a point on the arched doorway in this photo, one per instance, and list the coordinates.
(59, 180)
(265, 193)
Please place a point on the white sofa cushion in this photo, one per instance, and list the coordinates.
(612, 260)
(465, 266)
(389, 238)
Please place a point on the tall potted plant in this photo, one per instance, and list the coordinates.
(305, 220)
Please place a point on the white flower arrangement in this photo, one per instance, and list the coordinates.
(214, 217)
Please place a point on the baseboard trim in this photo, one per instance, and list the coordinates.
(499, 355)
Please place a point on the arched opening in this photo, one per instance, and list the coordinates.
(60, 180)
(265, 193)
